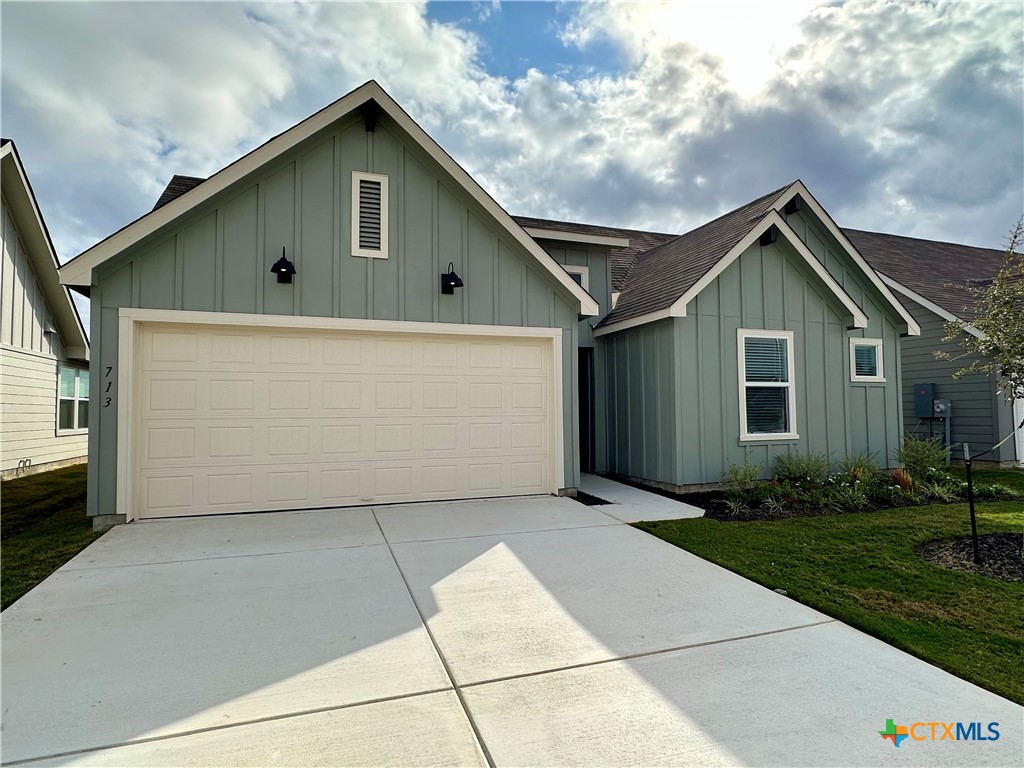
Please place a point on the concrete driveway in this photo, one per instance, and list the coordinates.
(532, 631)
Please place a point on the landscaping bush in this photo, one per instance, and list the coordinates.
(743, 475)
(796, 468)
(861, 467)
(921, 456)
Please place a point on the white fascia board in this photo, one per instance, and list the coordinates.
(79, 270)
(798, 187)
(860, 320)
(573, 237)
(29, 219)
(931, 306)
(633, 322)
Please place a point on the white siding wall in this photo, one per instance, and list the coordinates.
(28, 363)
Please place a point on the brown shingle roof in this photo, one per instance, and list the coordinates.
(937, 271)
(622, 258)
(663, 274)
(176, 187)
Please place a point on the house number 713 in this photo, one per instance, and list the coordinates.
(106, 389)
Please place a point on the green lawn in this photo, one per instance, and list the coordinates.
(863, 570)
(1011, 478)
(43, 525)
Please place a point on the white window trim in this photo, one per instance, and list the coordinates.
(877, 344)
(583, 272)
(77, 398)
(741, 335)
(385, 204)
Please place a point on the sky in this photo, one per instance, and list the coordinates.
(901, 117)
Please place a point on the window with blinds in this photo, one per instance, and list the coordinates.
(72, 399)
(369, 215)
(767, 398)
(866, 360)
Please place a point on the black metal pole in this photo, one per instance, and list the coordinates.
(970, 502)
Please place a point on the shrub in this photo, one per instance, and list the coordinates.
(861, 467)
(903, 479)
(919, 456)
(796, 468)
(743, 475)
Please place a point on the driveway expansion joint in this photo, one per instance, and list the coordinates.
(437, 649)
(508, 533)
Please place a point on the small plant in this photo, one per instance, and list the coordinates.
(903, 479)
(795, 468)
(939, 492)
(743, 476)
(861, 467)
(775, 506)
(920, 456)
(735, 506)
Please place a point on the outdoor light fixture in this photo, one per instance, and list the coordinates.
(450, 281)
(283, 268)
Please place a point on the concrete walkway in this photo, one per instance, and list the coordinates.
(531, 631)
(631, 505)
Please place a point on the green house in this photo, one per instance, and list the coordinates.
(343, 316)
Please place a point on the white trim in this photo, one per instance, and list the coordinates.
(741, 334)
(583, 272)
(615, 298)
(930, 305)
(860, 320)
(798, 188)
(574, 237)
(879, 376)
(385, 204)
(78, 271)
(633, 322)
(1017, 414)
(75, 398)
(129, 330)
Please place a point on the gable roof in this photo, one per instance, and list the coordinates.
(622, 257)
(23, 207)
(934, 270)
(78, 271)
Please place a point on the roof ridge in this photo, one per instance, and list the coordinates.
(598, 226)
(922, 239)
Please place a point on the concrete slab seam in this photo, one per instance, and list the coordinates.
(514, 533)
(437, 649)
(226, 726)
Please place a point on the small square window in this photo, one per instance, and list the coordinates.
(866, 361)
(580, 275)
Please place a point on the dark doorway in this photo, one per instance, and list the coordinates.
(586, 401)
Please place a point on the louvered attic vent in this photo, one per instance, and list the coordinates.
(369, 215)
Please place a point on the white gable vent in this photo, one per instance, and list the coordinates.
(369, 215)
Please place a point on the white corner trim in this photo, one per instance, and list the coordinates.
(798, 187)
(385, 204)
(930, 305)
(130, 321)
(583, 272)
(78, 271)
(879, 378)
(633, 322)
(860, 320)
(615, 298)
(741, 334)
(573, 237)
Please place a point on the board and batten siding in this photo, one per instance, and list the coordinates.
(767, 287)
(981, 417)
(28, 364)
(218, 258)
(599, 275)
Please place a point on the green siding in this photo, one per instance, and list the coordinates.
(981, 417)
(685, 430)
(218, 258)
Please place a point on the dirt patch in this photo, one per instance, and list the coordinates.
(590, 501)
(1000, 555)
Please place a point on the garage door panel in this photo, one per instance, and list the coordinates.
(233, 421)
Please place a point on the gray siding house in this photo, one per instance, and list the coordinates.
(343, 316)
(44, 376)
(927, 276)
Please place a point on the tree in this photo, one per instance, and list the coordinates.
(998, 304)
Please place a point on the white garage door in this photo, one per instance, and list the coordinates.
(244, 419)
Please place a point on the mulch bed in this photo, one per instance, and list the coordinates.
(590, 501)
(1000, 555)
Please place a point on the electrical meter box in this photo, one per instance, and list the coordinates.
(924, 396)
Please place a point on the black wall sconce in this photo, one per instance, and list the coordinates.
(283, 268)
(450, 281)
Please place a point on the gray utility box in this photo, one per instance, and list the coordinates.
(924, 396)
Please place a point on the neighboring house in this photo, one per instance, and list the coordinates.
(343, 316)
(44, 353)
(930, 278)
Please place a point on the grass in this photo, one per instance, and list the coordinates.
(43, 525)
(1011, 478)
(863, 569)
